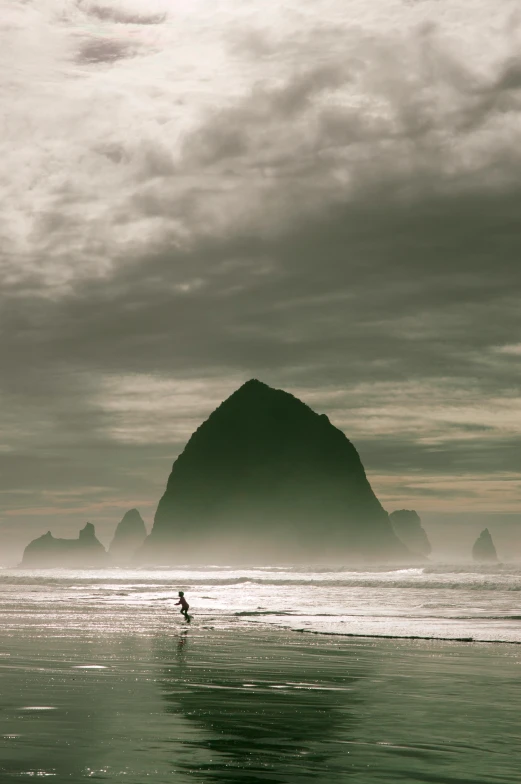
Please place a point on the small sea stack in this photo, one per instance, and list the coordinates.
(484, 550)
(130, 534)
(407, 526)
(47, 552)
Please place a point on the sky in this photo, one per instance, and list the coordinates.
(320, 194)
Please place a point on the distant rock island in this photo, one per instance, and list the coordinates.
(407, 526)
(484, 550)
(264, 478)
(128, 538)
(46, 551)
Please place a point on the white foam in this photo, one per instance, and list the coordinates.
(434, 601)
(89, 667)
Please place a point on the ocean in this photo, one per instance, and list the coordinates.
(285, 674)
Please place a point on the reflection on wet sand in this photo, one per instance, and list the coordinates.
(263, 711)
(231, 705)
(51, 719)
(279, 708)
(73, 709)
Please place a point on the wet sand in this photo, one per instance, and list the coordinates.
(263, 705)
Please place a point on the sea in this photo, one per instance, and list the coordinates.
(283, 674)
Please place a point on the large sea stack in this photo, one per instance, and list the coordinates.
(266, 478)
(46, 551)
(128, 538)
(484, 550)
(407, 526)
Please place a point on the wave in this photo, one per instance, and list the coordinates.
(419, 582)
(473, 568)
(264, 612)
(406, 637)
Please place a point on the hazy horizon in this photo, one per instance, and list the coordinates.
(451, 537)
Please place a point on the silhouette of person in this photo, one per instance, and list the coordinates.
(184, 606)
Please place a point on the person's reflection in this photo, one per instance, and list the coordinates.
(181, 646)
(263, 707)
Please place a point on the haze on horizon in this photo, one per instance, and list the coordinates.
(323, 195)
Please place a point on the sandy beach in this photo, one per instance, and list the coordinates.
(206, 705)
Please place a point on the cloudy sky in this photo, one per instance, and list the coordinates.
(323, 194)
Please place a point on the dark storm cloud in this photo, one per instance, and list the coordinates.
(427, 286)
(103, 51)
(452, 456)
(120, 16)
(363, 297)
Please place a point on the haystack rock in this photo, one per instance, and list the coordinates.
(46, 551)
(484, 550)
(407, 526)
(267, 479)
(128, 538)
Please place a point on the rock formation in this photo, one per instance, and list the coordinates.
(46, 551)
(128, 538)
(484, 550)
(266, 478)
(407, 526)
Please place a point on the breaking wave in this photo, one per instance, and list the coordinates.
(410, 579)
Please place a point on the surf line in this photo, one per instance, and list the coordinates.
(403, 637)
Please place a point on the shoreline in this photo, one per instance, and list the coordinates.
(404, 637)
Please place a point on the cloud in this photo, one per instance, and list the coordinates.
(335, 112)
(121, 15)
(96, 51)
(513, 349)
(446, 492)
